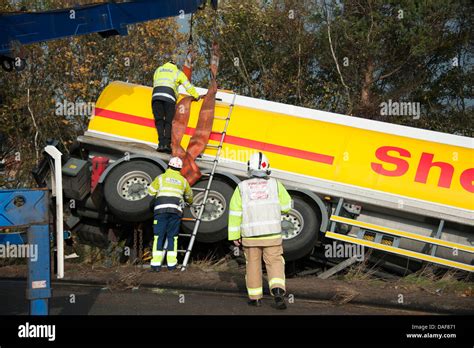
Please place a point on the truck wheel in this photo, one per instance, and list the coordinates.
(300, 230)
(213, 227)
(125, 190)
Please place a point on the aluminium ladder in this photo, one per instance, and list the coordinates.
(214, 161)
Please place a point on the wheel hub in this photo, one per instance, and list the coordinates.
(214, 207)
(291, 224)
(133, 185)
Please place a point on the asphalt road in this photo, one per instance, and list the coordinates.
(74, 299)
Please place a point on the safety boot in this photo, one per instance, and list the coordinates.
(161, 148)
(255, 303)
(155, 268)
(278, 295)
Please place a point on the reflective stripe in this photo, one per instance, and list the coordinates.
(166, 95)
(235, 213)
(168, 194)
(150, 188)
(155, 222)
(172, 189)
(261, 223)
(164, 78)
(157, 253)
(162, 206)
(274, 281)
(172, 253)
(234, 229)
(255, 291)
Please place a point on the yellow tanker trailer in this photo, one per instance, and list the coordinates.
(396, 189)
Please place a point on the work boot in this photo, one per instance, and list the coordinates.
(171, 268)
(167, 149)
(161, 148)
(279, 294)
(255, 303)
(155, 268)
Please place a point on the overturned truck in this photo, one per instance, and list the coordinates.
(404, 192)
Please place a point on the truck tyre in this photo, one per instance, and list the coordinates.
(300, 230)
(213, 227)
(125, 190)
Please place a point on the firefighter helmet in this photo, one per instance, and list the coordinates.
(258, 165)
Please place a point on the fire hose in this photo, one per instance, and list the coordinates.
(200, 138)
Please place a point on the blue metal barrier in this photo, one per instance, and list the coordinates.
(29, 209)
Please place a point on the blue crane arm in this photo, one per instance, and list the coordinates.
(107, 19)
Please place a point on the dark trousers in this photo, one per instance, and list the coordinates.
(163, 112)
(166, 227)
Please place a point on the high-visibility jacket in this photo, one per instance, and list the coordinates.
(255, 209)
(169, 189)
(166, 81)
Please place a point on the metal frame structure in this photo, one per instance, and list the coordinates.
(394, 248)
(110, 18)
(26, 208)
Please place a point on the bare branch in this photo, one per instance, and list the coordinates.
(335, 60)
(34, 124)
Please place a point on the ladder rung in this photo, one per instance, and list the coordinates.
(213, 146)
(184, 234)
(198, 188)
(207, 159)
(207, 174)
(221, 118)
(188, 219)
(181, 251)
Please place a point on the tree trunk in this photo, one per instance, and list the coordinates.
(365, 97)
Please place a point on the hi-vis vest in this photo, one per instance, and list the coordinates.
(170, 188)
(166, 81)
(256, 207)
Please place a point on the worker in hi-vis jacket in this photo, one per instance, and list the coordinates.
(171, 190)
(255, 222)
(166, 81)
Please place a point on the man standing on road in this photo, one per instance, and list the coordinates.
(255, 222)
(166, 81)
(171, 189)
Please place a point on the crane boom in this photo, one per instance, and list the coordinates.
(107, 19)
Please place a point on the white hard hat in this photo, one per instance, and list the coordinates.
(176, 162)
(258, 165)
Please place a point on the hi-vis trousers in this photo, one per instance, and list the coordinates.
(274, 263)
(166, 226)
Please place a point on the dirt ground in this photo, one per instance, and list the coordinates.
(434, 297)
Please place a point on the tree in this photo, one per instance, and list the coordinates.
(351, 56)
(73, 70)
